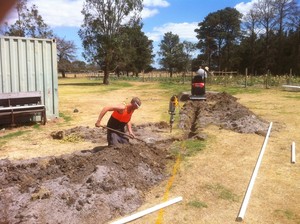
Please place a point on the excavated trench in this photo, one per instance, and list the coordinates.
(220, 109)
(97, 185)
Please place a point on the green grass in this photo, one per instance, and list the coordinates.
(234, 90)
(175, 87)
(5, 138)
(288, 214)
(187, 148)
(297, 97)
(37, 126)
(223, 192)
(65, 117)
(197, 204)
(13, 135)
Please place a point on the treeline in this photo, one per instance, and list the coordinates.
(266, 39)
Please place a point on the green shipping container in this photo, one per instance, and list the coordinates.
(30, 64)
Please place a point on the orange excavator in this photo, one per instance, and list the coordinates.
(198, 87)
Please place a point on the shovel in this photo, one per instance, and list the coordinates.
(120, 132)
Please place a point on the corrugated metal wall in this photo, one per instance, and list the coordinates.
(29, 64)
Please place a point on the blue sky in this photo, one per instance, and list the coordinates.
(180, 17)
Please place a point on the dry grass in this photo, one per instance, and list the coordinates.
(214, 180)
(218, 176)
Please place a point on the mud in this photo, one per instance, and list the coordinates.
(95, 186)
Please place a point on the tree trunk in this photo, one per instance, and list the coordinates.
(171, 73)
(63, 73)
(106, 74)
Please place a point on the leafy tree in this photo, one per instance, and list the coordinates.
(79, 66)
(100, 29)
(265, 10)
(217, 34)
(231, 30)
(248, 50)
(66, 51)
(206, 35)
(285, 12)
(136, 50)
(171, 50)
(188, 50)
(143, 48)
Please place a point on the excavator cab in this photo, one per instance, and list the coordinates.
(198, 88)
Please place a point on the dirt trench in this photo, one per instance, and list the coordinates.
(100, 184)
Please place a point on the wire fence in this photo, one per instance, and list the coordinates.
(231, 78)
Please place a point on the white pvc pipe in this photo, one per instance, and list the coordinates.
(147, 211)
(252, 180)
(293, 153)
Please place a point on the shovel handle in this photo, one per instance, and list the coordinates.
(120, 132)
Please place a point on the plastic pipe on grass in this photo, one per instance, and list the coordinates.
(147, 211)
(252, 180)
(293, 152)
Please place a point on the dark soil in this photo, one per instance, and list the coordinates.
(95, 186)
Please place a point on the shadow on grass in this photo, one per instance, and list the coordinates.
(81, 84)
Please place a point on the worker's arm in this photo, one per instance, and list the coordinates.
(129, 128)
(105, 110)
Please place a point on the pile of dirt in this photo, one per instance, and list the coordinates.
(223, 110)
(94, 186)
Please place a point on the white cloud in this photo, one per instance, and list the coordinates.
(185, 31)
(60, 12)
(67, 13)
(156, 3)
(147, 13)
(244, 8)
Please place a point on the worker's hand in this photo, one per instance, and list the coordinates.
(97, 124)
(132, 135)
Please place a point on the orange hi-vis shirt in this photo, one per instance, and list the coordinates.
(118, 120)
(122, 117)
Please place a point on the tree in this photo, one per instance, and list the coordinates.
(188, 49)
(66, 51)
(285, 11)
(99, 31)
(136, 49)
(265, 10)
(171, 50)
(29, 23)
(217, 35)
(207, 43)
(248, 46)
(79, 66)
(231, 30)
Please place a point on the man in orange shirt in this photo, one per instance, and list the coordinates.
(120, 118)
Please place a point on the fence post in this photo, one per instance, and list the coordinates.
(225, 76)
(290, 76)
(267, 75)
(246, 74)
